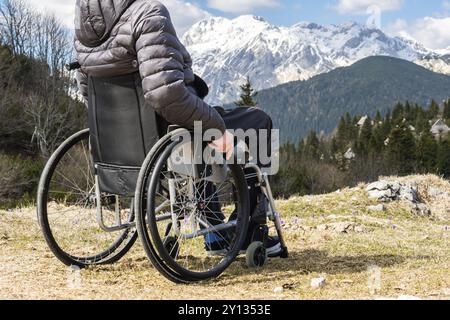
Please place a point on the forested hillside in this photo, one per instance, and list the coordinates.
(370, 85)
(361, 149)
(36, 110)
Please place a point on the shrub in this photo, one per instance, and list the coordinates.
(19, 178)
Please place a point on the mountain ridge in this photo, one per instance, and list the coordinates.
(226, 51)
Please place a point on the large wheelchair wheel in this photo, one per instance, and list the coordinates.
(191, 220)
(67, 209)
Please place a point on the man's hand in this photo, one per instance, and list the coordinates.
(224, 145)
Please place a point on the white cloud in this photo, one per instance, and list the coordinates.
(64, 10)
(241, 6)
(184, 14)
(360, 7)
(446, 4)
(431, 31)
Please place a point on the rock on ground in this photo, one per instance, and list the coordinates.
(388, 191)
(378, 208)
(278, 290)
(392, 191)
(420, 209)
(317, 283)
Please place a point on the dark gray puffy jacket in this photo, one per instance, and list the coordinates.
(116, 37)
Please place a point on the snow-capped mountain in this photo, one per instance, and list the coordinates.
(437, 63)
(226, 51)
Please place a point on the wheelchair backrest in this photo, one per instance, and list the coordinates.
(123, 129)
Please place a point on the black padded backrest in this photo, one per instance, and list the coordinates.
(123, 129)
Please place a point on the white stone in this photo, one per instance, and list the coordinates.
(435, 192)
(278, 290)
(395, 186)
(378, 208)
(359, 228)
(378, 185)
(381, 194)
(409, 193)
(420, 209)
(317, 283)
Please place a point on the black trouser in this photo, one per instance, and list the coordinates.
(246, 118)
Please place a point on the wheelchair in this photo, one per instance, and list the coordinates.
(128, 175)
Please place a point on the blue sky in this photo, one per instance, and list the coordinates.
(427, 21)
(289, 12)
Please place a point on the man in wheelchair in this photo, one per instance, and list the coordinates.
(124, 36)
(122, 177)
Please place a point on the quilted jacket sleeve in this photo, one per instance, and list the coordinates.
(163, 68)
(82, 81)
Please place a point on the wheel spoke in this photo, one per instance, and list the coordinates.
(70, 209)
(200, 206)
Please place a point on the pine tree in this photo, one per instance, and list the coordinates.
(433, 111)
(334, 146)
(312, 145)
(401, 149)
(408, 112)
(301, 147)
(386, 126)
(398, 114)
(247, 96)
(426, 151)
(344, 132)
(443, 161)
(447, 110)
(421, 123)
(378, 118)
(377, 139)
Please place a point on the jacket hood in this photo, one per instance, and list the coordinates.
(94, 19)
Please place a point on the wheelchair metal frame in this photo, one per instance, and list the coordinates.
(263, 182)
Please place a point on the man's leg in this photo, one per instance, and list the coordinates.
(245, 119)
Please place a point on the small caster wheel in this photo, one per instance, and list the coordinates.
(172, 246)
(256, 256)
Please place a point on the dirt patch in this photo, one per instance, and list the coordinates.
(362, 254)
(405, 257)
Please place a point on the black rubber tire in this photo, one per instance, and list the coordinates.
(155, 249)
(140, 212)
(118, 248)
(256, 255)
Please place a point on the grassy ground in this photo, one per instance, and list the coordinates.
(362, 255)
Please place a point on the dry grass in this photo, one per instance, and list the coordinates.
(411, 254)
